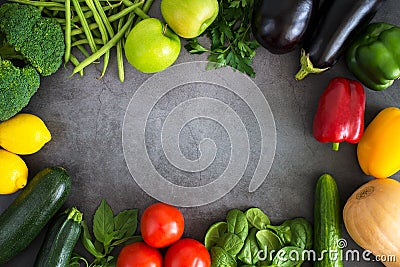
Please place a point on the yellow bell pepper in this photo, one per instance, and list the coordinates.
(378, 151)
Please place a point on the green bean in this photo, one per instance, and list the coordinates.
(67, 31)
(120, 57)
(39, 3)
(104, 35)
(80, 47)
(85, 41)
(147, 6)
(130, 26)
(103, 16)
(111, 19)
(87, 14)
(85, 26)
(140, 12)
(75, 61)
(104, 48)
(124, 12)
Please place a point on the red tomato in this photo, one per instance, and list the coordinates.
(139, 254)
(187, 253)
(161, 225)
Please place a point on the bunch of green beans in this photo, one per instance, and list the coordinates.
(94, 27)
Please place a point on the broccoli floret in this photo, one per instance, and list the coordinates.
(17, 86)
(28, 36)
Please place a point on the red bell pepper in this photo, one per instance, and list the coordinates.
(340, 113)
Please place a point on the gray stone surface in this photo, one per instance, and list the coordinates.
(85, 116)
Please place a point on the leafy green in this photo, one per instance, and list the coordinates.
(214, 233)
(231, 243)
(249, 252)
(237, 223)
(109, 231)
(249, 239)
(288, 257)
(302, 233)
(221, 258)
(257, 218)
(230, 36)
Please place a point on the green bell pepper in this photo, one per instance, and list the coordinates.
(374, 56)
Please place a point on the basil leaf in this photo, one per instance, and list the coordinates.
(221, 258)
(289, 256)
(231, 243)
(237, 223)
(257, 218)
(214, 233)
(103, 222)
(250, 250)
(125, 223)
(87, 242)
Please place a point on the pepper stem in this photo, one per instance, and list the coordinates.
(307, 66)
(335, 146)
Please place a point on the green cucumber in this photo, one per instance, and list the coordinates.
(33, 208)
(327, 223)
(60, 240)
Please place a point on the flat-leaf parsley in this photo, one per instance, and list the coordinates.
(230, 35)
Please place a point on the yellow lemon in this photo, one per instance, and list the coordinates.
(23, 134)
(13, 172)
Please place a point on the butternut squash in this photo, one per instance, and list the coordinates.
(372, 219)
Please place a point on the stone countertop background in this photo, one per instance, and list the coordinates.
(85, 116)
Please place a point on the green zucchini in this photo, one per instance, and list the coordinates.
(33, 208)
(60, 240)
(327, 223)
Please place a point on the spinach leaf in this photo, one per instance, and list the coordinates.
(257, 218)
(283, 231)
(302, 233)
(231, 243)
(269, 242)
(103, 222)
(288, 256)
(214, 233)
(237, 223)
(250, 250)
(221, 258)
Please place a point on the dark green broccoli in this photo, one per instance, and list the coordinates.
(17, 86)
(28, 36)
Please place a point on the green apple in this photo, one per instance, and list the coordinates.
(152, 47)
(189, 18)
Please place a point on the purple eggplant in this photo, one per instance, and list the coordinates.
(280, 25)
(337, 23)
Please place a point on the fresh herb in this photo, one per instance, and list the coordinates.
(230, 36)
(249, 239)
(109, 231)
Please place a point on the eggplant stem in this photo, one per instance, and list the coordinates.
(307, 66)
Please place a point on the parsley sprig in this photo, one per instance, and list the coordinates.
(230, 36)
